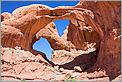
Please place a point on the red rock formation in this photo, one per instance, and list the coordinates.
(5, 16)
(89, 49)
(107, 15)
(51, 34)
(25, 25)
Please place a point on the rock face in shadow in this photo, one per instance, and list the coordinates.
(89, 49)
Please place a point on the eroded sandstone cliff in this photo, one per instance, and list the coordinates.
(89, 49)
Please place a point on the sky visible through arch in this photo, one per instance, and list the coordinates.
(41, 45)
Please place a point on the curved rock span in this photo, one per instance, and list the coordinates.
(89, 49)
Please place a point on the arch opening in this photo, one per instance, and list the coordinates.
(43, 45)
(61, 25)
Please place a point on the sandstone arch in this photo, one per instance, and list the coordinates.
(89, 22)
(27, 23)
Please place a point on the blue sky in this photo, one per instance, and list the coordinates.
(41, 45)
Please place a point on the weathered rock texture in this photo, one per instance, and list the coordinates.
(89, 49)
(107, 15)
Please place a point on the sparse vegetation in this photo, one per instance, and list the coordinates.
(23, 80)
(70, 80)
(52, 54)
